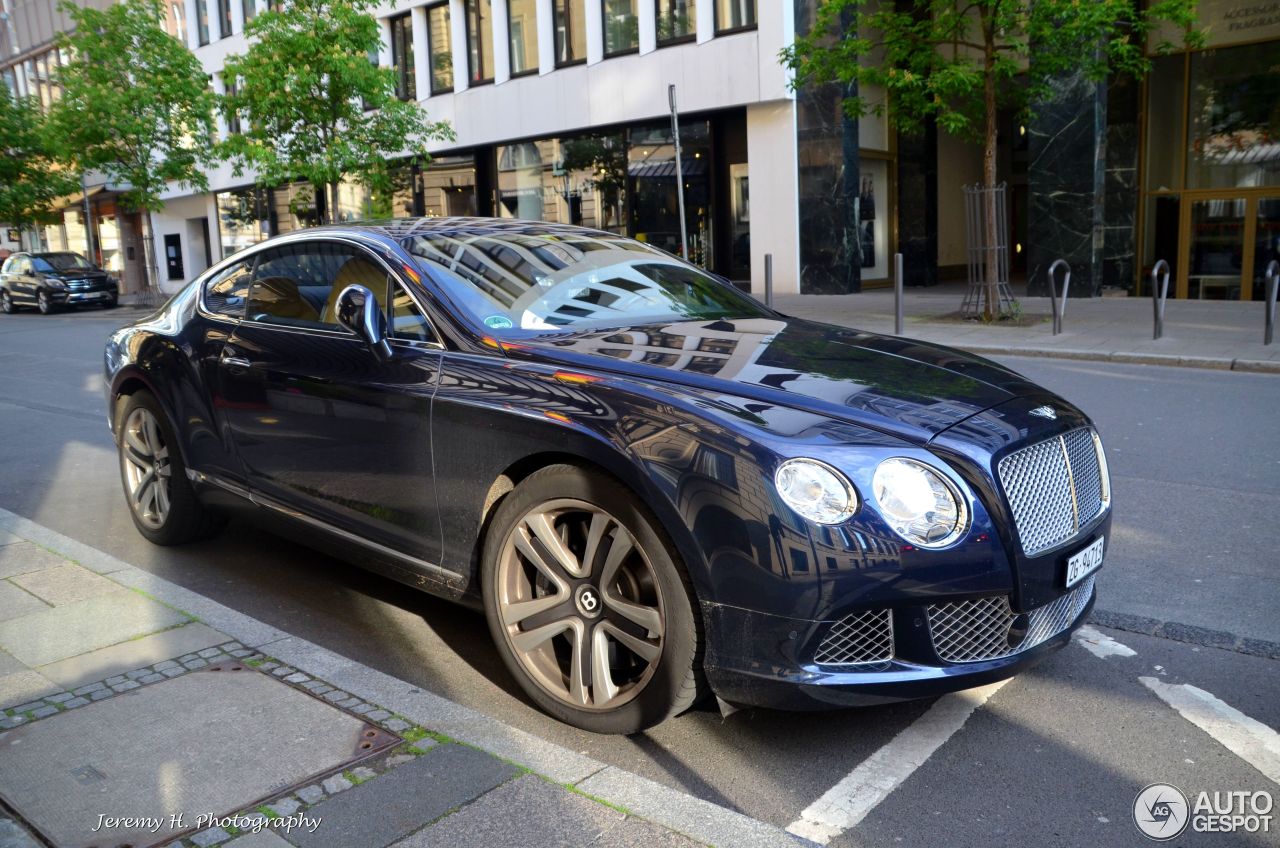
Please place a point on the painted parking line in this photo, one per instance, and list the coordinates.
(1101, 645)
(875, 778)
(1247, 738)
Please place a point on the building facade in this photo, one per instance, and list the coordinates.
(561, 113)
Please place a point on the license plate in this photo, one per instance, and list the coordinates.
(1083, 563)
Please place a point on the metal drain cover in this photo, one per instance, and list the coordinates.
(217, 740)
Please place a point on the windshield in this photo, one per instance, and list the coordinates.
(567, 280)
(63, 261)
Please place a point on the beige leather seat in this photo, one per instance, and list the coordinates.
(356, 271)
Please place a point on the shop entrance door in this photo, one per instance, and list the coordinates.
(1227, 242)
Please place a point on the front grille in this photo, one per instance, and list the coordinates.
(1054, 488)
(972, 631)
(858, 639)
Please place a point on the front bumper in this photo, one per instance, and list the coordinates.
(80, 297)
(763, 660)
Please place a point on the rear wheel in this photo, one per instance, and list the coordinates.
(6, 303)
(162, 503)
(589, 604)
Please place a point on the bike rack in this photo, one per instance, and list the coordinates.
(897, 294)
(1273, 281)
(1158, 294)
(1059, 305)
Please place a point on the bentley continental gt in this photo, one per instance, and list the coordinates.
(654, 486)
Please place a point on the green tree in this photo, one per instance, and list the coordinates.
(135, 104)
(313, 106)
(30, 179)
(957, 62)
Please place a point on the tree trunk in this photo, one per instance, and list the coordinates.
(990, 257)
(332, 215)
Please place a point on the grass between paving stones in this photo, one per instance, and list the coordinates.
(150, 597)
(576, 791)
(267, 811)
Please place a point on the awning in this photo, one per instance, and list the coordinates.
(77, 198)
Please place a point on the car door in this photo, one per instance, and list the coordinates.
(21, 282)
(322, 425)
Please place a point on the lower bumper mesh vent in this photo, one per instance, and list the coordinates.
(988, 629)
(857, 639)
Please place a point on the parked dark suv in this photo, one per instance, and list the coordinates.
(54, 279)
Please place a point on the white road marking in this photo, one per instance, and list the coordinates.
(850, 800)
(1247, 738)
(1101, 645)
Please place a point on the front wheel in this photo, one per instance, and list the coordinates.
(44, 303)
(162, 503)
(589, 604)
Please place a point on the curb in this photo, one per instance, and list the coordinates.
(1188, 633)
(1256, 366)
(703, 821)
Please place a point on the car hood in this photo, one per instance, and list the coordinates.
(908, 388)
(81, 274)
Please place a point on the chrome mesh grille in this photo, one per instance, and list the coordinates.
(857, 639)
(972, 631)
(1053, 487)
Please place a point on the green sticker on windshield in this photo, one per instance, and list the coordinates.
(498, 322)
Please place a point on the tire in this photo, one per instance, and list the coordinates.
(634, 615)
(161, 501)
(111, 304)
(6, 303)
(44, 304)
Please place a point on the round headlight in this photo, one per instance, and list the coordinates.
(817, 491)
(919, 503)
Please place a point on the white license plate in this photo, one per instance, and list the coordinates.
(1083, 563)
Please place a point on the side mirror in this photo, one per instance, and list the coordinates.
(359, 312)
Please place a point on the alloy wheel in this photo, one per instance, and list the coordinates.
(580, 604)
(146, 468)
(44, 304)
(6, 303)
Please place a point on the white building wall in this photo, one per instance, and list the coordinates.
(737, 70)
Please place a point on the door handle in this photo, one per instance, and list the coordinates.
(236, 363)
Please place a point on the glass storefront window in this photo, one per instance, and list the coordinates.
(621, 27)
(570, 21)
(735, 14)
(449, 186)
(873, 218)
(1234, 125)
(1266, 247)
(522, 27)
(1164, 122)
(109, 243)
(1217, 249)
(653, 201)
(243, 218)
(441, 40)
(479, 40)
(677, 20)
(580, 180)
(295, 207)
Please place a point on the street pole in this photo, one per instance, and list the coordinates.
(675, 133)
(88, 220)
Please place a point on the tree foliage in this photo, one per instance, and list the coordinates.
(953, 61)
(311, 104)
(30, 179)
(135, 102)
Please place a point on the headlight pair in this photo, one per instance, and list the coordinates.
(920, 504)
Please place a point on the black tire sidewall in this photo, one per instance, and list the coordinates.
(44, 303)
(663, 695)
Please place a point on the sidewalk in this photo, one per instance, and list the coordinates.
(1199, 334)
(135, 712)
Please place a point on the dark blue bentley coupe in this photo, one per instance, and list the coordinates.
(653, 485)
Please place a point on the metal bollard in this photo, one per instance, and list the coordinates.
(1158, 294)
(768, 280)
(1273, 281)
(897, 294)
(1059, 306)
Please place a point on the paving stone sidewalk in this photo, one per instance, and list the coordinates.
(101, 683)
(1202, 334)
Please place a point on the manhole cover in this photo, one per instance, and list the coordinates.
(218, 740)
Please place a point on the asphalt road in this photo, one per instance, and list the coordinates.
(1054, 757)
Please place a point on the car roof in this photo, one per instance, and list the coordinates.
(402, 229)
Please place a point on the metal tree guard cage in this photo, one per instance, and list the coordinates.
(987, 240)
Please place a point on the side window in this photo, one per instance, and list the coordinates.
(407, 320)
(227, 292)
(40, 265)
(23, 266)
(298, 285)
(8, 265)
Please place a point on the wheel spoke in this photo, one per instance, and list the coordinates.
(599, 525)
(162, 498)
(618, 550)
(603, 689)
(645, 650)
(647, 617)
(541, 526)
(517, 611)
(146, 505)
(143, 487)
(531, 639)
(580, 668)
(137, 447)
(152, 434)
(533, 554)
